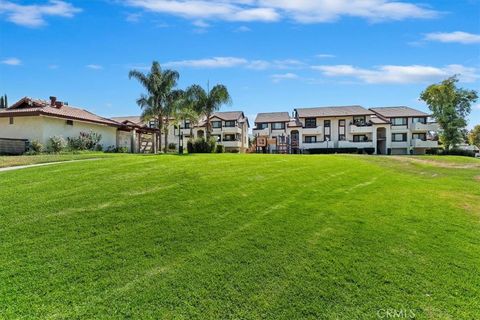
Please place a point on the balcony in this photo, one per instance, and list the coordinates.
(312, 131)
(417, 143)
(424, 127)
(231, 144)
(355, 129)
(319, 145)
(231, 130)
(399, 128)
(399, 144)
(261, 132)
(351, 144)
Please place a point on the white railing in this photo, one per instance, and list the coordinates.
(432, 126)
(360, 129)
(261, 132)
(232, 130)
(417, 143)
(231, 144)
(351, 144)
(319, 145)
(312, 131)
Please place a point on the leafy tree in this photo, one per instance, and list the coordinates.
(474, 136)
(2, 102)
(158, 83)
(5, 101)
(450, 107)
(206, 103)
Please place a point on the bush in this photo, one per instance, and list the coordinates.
(190, 148)
(56, 144)
(220, 149)
(201, 145)
(457, 152)
(172, 146)
(113, 149)
(86, 141)
(35, 147)
(98, 147)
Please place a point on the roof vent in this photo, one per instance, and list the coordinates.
(58, 104)
(53, 101)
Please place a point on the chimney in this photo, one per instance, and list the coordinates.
(53, 101)
(58, 104)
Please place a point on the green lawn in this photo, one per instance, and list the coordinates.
(241, 237)
(12, 161)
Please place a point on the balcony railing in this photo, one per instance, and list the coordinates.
(353, 144)
(431, 126)
(318, 145)
(418, 143)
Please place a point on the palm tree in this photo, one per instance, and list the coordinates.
(206, 103)
(173, 102)
(158, 84)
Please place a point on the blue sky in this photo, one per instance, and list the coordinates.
(274, 55)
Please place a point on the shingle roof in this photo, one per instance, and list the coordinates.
(339, 111)
(402, 111)
(273, 117)
(35, 107)
(229, 115)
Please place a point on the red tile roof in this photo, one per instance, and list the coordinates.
(36, 107)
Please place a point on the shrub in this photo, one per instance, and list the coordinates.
(98, 147)
(201, 145)
(190, 148)
(457, 152)
(56, 144)
(86, 141)
(172, 146)
(113, 149)
(35, 147)
(220, 149)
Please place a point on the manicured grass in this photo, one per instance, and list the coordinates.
(241, 237)
(11, 161)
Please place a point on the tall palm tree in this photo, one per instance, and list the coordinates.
(173, 102)
(208, 102)
(158, 83)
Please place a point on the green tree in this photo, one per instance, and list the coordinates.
(2, 102)
(5, 101)
(474, 136)
(450, 107)
(158, 83)
(207, 102)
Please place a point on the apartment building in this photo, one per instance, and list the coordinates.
(409, 129)
(394, 130)
(230, 129)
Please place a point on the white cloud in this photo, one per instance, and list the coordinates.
(216, 62)
(399, 74)
(94, 66)
(12, 61)
(243, 29)
(325, 56)
(285, 76)
(231, 62)
(303, 11)
(453, 37)
(34, 15)
(133, 17)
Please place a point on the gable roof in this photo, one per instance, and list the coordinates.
(401, 111)
(228, 115)
(132, 119)
(36, 107)
(273, 117)
(340, 111)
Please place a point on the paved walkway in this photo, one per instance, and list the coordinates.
(43, 164)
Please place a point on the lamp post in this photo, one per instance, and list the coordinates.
(180, 143)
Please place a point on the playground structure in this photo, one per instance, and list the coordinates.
(282, 144)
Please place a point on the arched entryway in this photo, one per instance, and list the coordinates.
(381, 141)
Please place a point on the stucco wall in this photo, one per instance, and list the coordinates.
(42, 128)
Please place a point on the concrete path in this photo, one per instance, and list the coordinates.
(43, 164)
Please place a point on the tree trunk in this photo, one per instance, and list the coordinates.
(160, 127)
(208, 126)
(166, 136)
